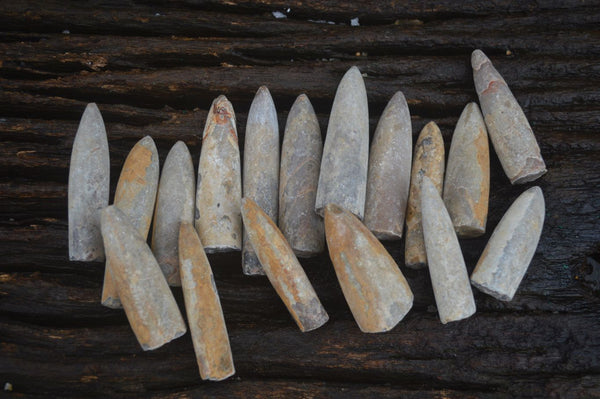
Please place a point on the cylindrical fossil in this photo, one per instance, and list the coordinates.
(389, 171)
(428, 161)
(511, 247)
(203, 307)
(282, 268)
(449, 278)
(509, 130)
(374, 287)
(219, 196)
(467, 182)
(174, 205)
(298, 178)
(135, 196)
(343, 176)
(89, 175)
(261, 167)
(148, 302)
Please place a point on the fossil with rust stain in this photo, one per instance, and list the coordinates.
(261, 167)
(89, 175)
(467, 181)
(282, 268)
(135, 196)
(509, 130)
(174, 205)
(374, 287)
(343, 176)
(389, 171)
(298, 177)
(146, 297)
(449, 278)
(428, 160)
(219, 195)
(203, 307)
(511, 247)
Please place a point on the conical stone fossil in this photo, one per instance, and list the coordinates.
(511, 247)
(343, 176)
(374, 287)
(428, 161)
(203, 307)
(282, 268)
(507, 125)
(219, 196)
(467, 182)
(389, 171)
(135, 196)
(449, 278)
(174, 205)
(89, 175)
(148, 302)
(298, 177)
(261, 167)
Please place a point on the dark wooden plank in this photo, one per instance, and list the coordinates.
(154, 67)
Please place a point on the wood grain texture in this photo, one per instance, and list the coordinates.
(153, 68)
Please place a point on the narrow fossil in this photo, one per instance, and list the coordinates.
(203, 307)
(301, 153)
(511, 247)
(261, 167)
(219, 196)
(389, 171)
(174, 205)
(89, 176)
(449, 278)
(509, 130)
(428, 160)
(282, 268)
(135, 196)
(148, 302)
(467, 181)
(343, 175)
(374, 287)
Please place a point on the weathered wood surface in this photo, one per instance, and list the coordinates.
(154, 68)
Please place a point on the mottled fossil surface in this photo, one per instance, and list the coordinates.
(154, 68)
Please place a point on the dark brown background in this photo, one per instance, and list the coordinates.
(154, 68)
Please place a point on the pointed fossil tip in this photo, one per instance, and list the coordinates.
(427, 185)
(179, 146)
(398, 96)
(353, 73)
(264, 90)
(478, 58)
(535, 191)
(431, 125)
(108, 212)
(91, 112)
(148, 143)
(263, 97)
(302, 97)
(247, 202)
(221, 105)
(333, 208)
(92, 107)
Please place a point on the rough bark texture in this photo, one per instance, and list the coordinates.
(154, 69)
